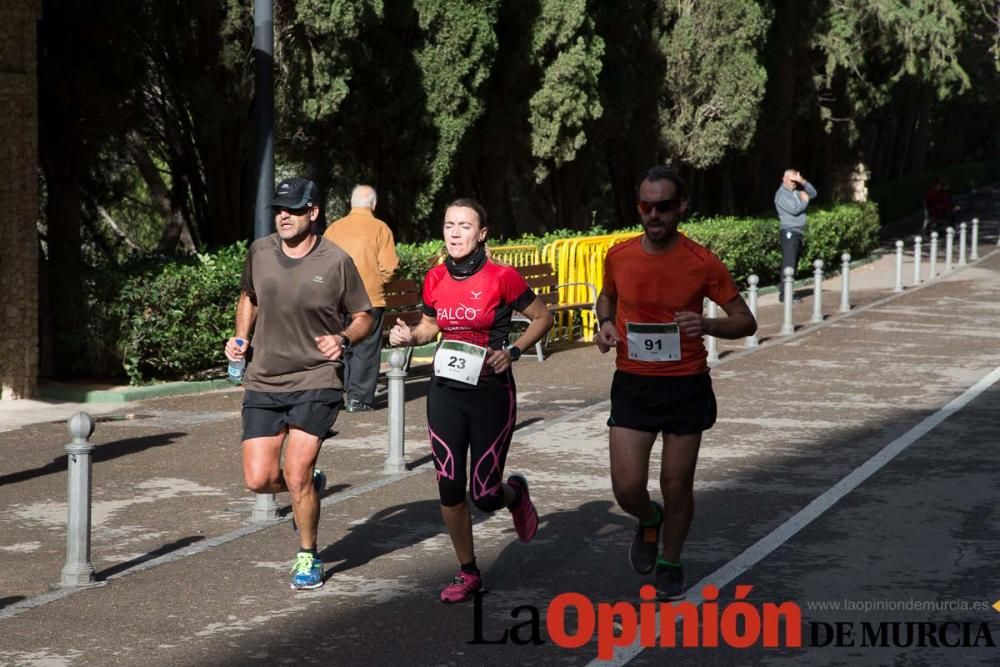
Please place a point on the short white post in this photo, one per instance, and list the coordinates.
(962, 250)
(974, 250)
(845, 282)
(711, 342)
(395, 462)
(265, 508)
(949, 248)
(753, 280)
(899, 267)
(933, 256)
(817, 291)
(788, 278)
(917, 256)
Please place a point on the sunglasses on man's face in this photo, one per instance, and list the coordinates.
(663, 206)
(293, 211)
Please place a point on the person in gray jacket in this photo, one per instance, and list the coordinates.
(791, 201)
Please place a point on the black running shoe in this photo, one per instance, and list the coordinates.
(645, 546)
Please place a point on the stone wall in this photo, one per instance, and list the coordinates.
(19, 194)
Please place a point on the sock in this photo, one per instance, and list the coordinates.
(662, 563)
(470, 568)
(517, 496)
(311, 552)
(655, 521)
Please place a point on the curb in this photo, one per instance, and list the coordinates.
(83, 394)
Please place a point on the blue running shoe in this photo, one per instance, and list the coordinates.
(307, 572)
(319, 483)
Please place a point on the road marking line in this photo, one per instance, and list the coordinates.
(777, 537)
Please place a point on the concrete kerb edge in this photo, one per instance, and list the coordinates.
(249, 529)
(127, 394)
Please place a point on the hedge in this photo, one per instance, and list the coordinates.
(167, 318)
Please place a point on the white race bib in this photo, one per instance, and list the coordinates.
(459, 361)
(653, 342)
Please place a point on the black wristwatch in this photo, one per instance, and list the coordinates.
(345, 342)
(600, 322)
(515, 352)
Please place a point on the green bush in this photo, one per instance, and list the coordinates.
(751, 245)
(170, 317)
(160, 318)
(415, 259)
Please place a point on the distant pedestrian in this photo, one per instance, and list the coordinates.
(791, 201)
(370, 244)
(297, 291)
(937, 205)
(472, 400)
(649, 310)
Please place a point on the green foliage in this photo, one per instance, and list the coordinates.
(311, 43)
(566, 48)
(415, 259)
(714, 78)
(170, 317)
(454, 62)
(750, 245)
(870, 45)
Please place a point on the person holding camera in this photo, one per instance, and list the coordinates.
(791, 201)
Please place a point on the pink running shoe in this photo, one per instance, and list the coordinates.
(525, 516)
(461, 587)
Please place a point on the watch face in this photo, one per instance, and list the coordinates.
(515, 353)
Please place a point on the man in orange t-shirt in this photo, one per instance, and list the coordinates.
(650, 311)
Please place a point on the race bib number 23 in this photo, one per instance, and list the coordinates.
(459, 361)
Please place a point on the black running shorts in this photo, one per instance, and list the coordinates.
(667, 404)
(272, 413)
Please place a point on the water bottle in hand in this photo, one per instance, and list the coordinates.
(236, 368)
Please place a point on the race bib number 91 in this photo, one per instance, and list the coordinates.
(459, 361)
(653, 342)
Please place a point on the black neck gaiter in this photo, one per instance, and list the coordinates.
(465, 267)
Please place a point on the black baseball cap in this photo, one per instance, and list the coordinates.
(294, 193)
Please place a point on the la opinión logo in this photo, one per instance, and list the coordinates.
(738, 624)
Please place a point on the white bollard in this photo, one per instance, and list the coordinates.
(711, 342)
(787, 328)
(899, 267)
(395, 462)
(962, 250)
(917, 257)
(845, 282)
(974, 250)
(753, 280)
(78, 570)
(817, 291)
(949, 247)
(265, 508)
(933, 256)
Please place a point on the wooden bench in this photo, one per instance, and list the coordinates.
(542, 279)
(402, 301)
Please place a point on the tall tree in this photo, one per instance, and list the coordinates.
(714, 78)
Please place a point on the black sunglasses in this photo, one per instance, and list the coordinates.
(293, 211)
(663, 206)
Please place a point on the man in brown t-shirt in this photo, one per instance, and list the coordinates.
(298, 290)
(369, 242)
